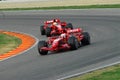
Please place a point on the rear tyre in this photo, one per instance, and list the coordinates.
(40, 45)
(86, 39)
(48, 31)
(73, 42)
(42, 30)
(69, 25)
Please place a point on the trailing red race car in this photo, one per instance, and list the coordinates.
(71, 40)
(54, 27)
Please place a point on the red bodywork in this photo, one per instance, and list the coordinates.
(56, 43)
(58, 29)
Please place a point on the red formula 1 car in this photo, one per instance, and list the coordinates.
(71, 40)
(54, 27)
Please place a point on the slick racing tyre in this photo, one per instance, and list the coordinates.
(42, 30)
(86, 39)
(48, 31)
(73, 42)
(40, 45)
(69, 25)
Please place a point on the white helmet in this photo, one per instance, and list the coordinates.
(55, 23)
(63, 35)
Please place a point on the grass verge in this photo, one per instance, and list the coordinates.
(67, 7)
(109, 73)
(8, 43)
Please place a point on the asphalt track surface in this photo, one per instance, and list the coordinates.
(102, 24)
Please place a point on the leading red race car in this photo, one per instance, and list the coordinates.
(71, 40)
(54, 27)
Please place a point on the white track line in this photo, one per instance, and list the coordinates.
(26, 49)
(77, 74)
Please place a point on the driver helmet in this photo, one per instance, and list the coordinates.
(63, 36)
(55, 23)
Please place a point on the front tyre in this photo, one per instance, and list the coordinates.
(40, 45)
(42, 30)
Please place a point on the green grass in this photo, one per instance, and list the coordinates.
(109, 73)
(67, 7)
(8, 43)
